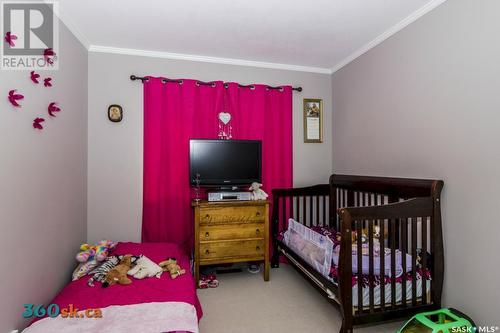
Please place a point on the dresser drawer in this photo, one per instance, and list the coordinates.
(231, 231)
(248, 214)
(243, 248)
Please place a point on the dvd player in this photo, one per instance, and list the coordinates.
(229, 196)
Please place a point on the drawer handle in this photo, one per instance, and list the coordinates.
(207, 251)
(258, 213)
(207, 216)
(257, 248)
(207, 234)
(257, 231)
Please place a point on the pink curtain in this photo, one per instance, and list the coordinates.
(265, 114)
(175, 113)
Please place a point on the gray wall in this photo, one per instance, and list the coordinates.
(115, 149)
(43, 183)
(426, 103)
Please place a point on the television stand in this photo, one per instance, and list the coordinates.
(231, 232)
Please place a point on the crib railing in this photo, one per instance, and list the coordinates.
(406, 213)
(310, 205)
(409, 222)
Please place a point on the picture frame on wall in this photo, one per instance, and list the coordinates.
(313, 120)
(115, 113)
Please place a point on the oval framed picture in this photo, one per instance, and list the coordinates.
(115, 113)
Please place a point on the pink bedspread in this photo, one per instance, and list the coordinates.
(164, 289)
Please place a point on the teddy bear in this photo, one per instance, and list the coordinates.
(119, 273)
(258, 193)
(145, 268)
(170, 265)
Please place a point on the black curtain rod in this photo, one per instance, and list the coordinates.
(134, 78)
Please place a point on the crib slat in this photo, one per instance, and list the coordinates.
(404, 250)
(359, 232)
(304, 209)
(317, 211)
(424, 259)
(311, 222)
(413, 259)
(382, 265)
(370, 263)
(324, 214)
(393, 262)
(291, 207)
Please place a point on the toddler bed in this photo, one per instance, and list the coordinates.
(396, 267)
(150, 305)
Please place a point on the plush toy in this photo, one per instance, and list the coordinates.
(145, 268)
(364, 235)
(119, 273)
(103, 248)
(87, 251)
(258, 193)
(83, 269)
(100, 251)
(170, 265)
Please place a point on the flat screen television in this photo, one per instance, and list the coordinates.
(225, 163)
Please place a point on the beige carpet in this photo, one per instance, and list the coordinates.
(287, 303)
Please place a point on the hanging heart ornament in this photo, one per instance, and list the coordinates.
(225, 117)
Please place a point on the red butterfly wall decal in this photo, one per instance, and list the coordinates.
(34, 77)
(53, 108)
(48, 54)
(13, 98)
(10, 38)
(46, 82)
(37, 123)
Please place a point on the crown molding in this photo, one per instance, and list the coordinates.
(71, 27)
(250, 63)
(200, 58)
(388, 33)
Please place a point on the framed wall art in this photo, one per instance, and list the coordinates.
(313, 120)
(115, 113)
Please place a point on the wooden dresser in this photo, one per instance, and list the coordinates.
(229, 232)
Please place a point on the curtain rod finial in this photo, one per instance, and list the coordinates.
(133, 77)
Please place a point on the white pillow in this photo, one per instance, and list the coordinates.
(144, 267)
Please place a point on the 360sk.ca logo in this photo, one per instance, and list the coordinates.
(53, 310)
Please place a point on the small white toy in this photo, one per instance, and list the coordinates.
(258, 193)
(145, 268)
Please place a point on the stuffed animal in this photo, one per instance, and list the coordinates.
(145, 268)
(119, 273)
(258, 193)
(83, 269)
(170, 265)
(87, 251)
(364, 235)
(103, 249)
(99, 273)
(100, 251)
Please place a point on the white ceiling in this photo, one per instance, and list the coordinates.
(316, 35)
